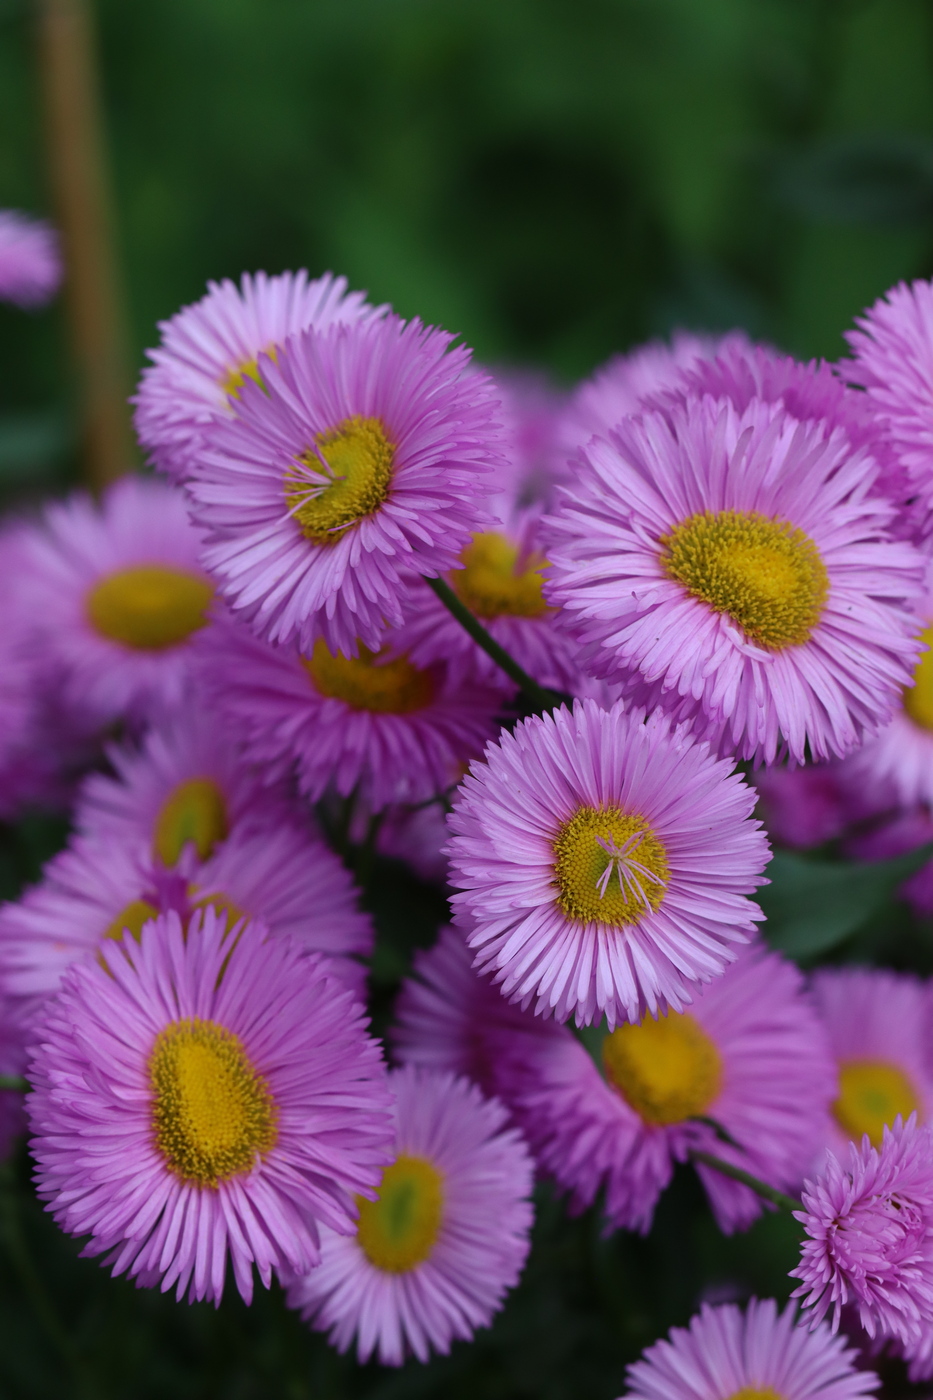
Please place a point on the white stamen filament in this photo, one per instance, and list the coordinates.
(626, 867)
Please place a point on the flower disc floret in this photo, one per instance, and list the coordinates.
(149, 607)
(736, 567)
(667, 1069)
(603, 861)
(496, 582)
(399, 1229)
(378, 682)
(364, 458)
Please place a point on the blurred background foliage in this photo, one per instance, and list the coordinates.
(556, 181)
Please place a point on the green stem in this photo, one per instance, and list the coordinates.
(14, 1081)
(540, 697)
(768, 1193)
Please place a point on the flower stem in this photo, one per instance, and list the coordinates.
(540, 697)
(768, 1193)
(14, 1081)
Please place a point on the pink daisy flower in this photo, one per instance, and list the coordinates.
(279, 874)
(30, 262)
(735, 568)
(374, 724)
(870, 1235)
(750, 1054)
(604, 861)
(727, 1352)
(363, 457)
(877, 1025)
(621, 386)
(210, 348)
(434, 1255)
(893, 350)
(115, 594)
(182, 792)
(446, 1015)
(204, 1097)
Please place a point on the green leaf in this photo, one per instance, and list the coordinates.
(813, 905)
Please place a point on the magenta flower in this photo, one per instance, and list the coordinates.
(726, 1352)
(567, 797)
(434, 1255)
(870, 1229)
(115, 594)
(736, 569)
(30, 262)
(803, 807)
(893, 350)
(202, 1097)
(210, 348)
(363, 457)
(877, 1022)
(374, 724)
(750, 1054)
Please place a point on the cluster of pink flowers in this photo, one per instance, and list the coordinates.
(247, 673)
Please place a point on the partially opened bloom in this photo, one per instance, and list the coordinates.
(210, 348)
(182, 791)
(737, 569)
(877, 1023)
(727, 1353)
(374, 724)
(363, 457)
(30, 262)
(893, 350)
(202, 1097)
(115, 594)
(434, 1255)
(749, 1054)
(869, 1223)
(604, 862)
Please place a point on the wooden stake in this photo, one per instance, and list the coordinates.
(80, 185)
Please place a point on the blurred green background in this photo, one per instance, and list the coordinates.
(556, 180)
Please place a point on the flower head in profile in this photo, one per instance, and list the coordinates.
(736, 568)
(115, 594)
(893, 350)
(30, 262)
(877, 1023)
(446, 1237)
(205, 1098)
(756, 1353)
(604, 862)
(375, 724)
(363, 457)
(869, 1225)
(749, 1054)
(209, 349)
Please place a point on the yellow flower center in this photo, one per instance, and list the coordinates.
(609, 867)
(918, 700)
(750, 1392)
(150, 607)
(131, 919)
(765, 574)
(222, 903)
(194, 811)
(212, 1114)
(492, 585)
(346, 478)
(668, 1069)
(370, 681)
(236, 376)
(871, 1094)
(398, 1230)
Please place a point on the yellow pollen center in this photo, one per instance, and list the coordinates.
(150, 607)
(668, 1069)
(236, 376)
(131, 919)
(347, 477)
(398, 1230)
(222, 903)
(492, 584)
(609, 867)
(918, 700)
(212, 1114)
(370, 681)
(750, 1392)
(194, 811)
(765, 574)
(871, 1094)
